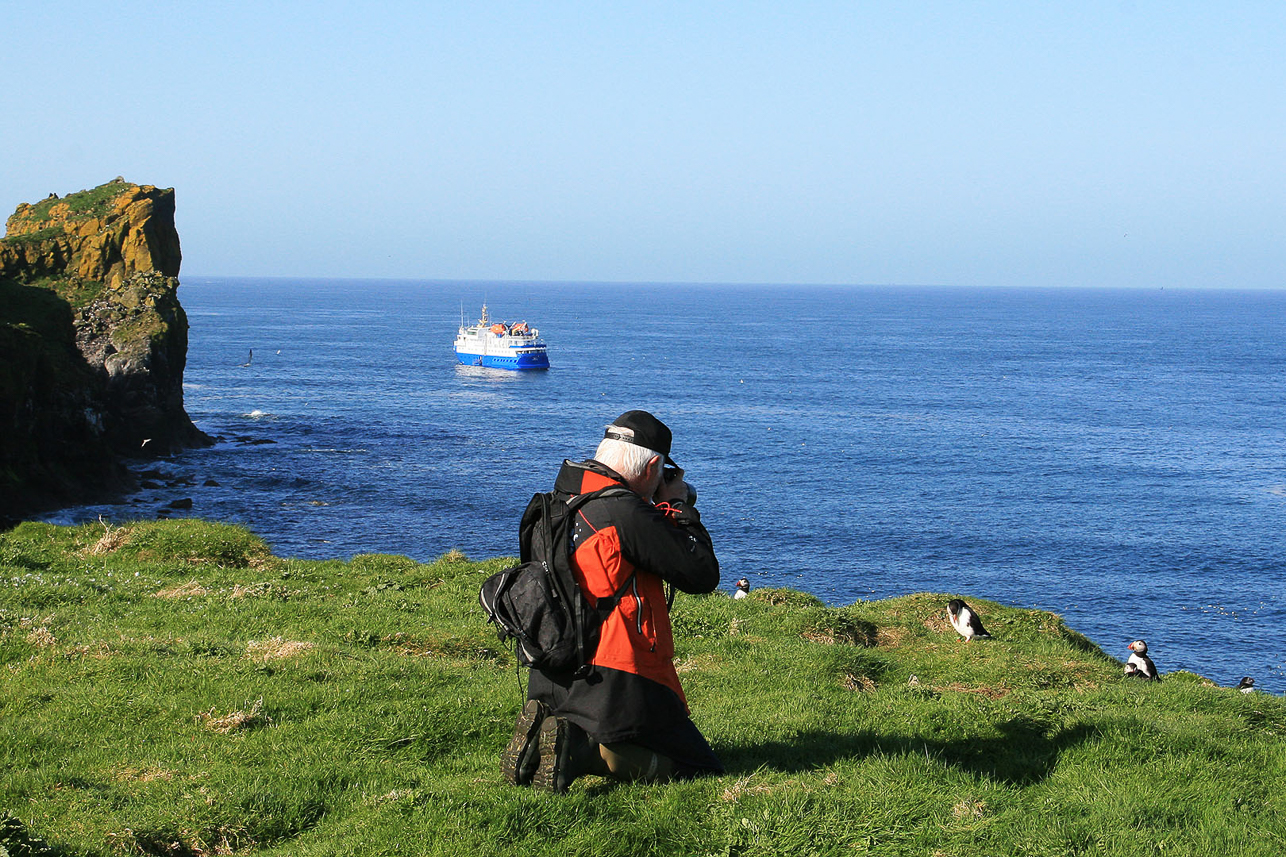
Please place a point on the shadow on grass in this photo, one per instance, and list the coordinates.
(17, 841)
(1025, 754)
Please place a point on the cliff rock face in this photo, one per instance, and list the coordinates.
(93, 343)
(103, 235)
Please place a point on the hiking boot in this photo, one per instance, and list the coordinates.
(519, 760)
(563, 747)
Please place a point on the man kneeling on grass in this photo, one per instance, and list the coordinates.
(628, 718)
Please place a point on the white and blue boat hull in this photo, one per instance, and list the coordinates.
(537, 360)
(500, 346)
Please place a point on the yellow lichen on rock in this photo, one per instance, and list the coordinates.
(102, 235)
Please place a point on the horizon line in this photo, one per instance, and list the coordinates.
(733, 283)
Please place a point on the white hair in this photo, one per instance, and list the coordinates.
(627, 459)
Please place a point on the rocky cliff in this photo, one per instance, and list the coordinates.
(104, 235)
(93, 343)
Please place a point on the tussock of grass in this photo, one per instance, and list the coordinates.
(112, 540)
(171, 688)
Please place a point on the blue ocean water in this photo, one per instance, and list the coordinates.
(1118, 457)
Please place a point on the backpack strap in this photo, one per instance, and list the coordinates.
(574, 505)
(575, 501)
(603, 606)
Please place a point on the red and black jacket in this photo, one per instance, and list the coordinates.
(625, 541)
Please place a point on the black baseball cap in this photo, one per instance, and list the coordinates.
(642, 429)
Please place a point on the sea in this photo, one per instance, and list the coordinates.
(1117, 457)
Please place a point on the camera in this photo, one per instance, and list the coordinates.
(669, 474)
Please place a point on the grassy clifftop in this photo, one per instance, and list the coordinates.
(173, 688)
(99, 236)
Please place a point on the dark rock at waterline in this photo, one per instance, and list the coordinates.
(252, 441)
(185, 503)
(210, 483)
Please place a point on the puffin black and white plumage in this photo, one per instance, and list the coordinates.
(1246, 685)
(964, 620)
(742, 590)
(1140, 665)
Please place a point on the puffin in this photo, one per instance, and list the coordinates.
(743, 589)
(1140, 665)
(964, 620)
(1246, 685)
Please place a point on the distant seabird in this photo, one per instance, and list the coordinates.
(1142, 664)
(964, 620)
(743, 589)
(249, 359)
(1246, 685)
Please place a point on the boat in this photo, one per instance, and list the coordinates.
(500, 345)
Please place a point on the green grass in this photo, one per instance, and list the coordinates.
(173, 688)
(82, 204)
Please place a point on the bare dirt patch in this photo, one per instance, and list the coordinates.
(859, 683)
(275, 649)
(245, 718)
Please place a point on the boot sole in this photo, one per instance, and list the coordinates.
(519, 760)
(550, 773)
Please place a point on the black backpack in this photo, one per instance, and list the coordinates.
(538, 603)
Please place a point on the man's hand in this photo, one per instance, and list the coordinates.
(674, 490)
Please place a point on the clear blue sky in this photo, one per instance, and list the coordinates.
(1018, 143)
